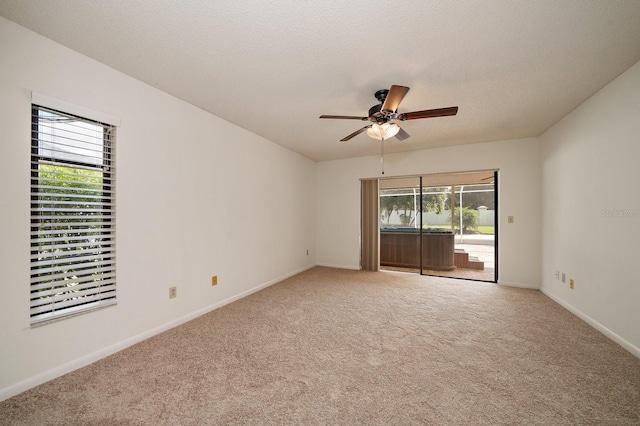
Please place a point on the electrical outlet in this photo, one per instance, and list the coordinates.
(214, 280)
(173, 292)
(571, 283)
(557, 275)
(564, 278)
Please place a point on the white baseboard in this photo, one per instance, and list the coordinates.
(518, 285)
(635, 351)
(331, 265)
(68, 367)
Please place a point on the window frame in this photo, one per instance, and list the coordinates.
(94, 287)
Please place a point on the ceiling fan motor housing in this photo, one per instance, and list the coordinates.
(381, 95)
(375, 115)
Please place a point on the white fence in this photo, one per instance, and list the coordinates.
(486, 218)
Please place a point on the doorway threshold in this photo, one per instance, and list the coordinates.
(487, 275)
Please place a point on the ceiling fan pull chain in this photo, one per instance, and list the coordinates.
(382, 155)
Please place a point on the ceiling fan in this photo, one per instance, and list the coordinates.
(383, 114)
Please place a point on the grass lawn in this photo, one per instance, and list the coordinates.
(487, 230)
(483, 229)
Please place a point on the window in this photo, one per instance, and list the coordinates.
(73, 265)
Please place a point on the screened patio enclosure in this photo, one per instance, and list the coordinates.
(440, 224)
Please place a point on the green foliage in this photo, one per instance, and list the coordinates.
(69, 180)
(387, 206)
(405, 206)
(404, 203)
(69, 199)
(470, 218)
(434, 202)
(476, 199)
(406, 220)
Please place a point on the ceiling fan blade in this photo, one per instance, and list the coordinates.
(402, 135)
(356, 133)
(439, 112)
(394, 97)
(345, 117)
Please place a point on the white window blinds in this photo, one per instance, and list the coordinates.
(73, 267)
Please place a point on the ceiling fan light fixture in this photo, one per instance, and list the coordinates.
(381, 114)
(383, 131)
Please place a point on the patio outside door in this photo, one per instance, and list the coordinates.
(443, 225)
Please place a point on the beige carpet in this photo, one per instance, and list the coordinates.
(345, 347)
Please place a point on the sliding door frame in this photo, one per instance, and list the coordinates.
(370, 215)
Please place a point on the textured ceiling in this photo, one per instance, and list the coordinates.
(514, 67)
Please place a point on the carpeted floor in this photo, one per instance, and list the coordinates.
(333, 346)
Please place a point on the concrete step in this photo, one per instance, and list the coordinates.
(462, 260)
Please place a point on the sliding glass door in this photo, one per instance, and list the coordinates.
(400, 224)
(442, 225)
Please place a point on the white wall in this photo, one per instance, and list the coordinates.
(196, 196)
(338, 191)
(590, 169)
